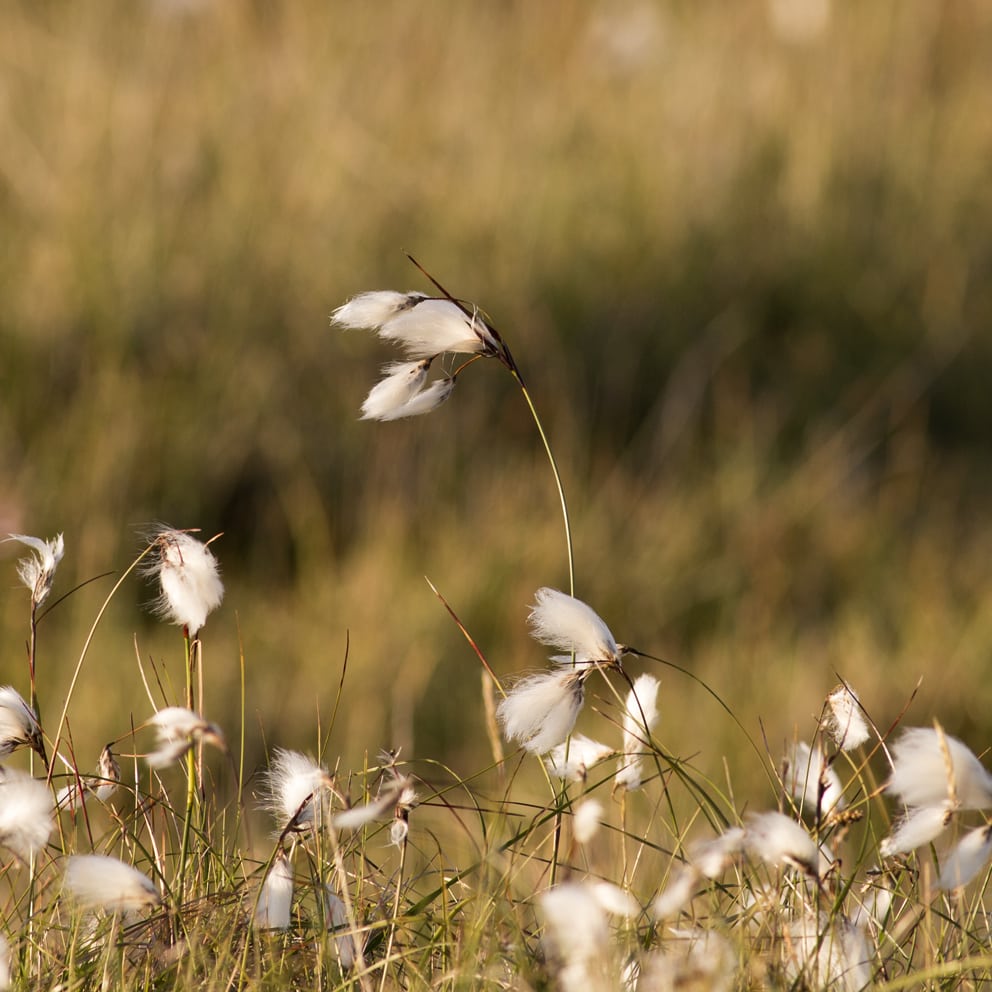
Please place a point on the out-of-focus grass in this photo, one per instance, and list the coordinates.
(744, 276)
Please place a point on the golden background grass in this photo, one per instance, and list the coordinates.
(741, 260)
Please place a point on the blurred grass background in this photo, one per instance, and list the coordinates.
(741, 252)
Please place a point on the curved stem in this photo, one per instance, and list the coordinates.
(557, 475)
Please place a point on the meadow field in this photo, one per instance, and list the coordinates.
(738, 253)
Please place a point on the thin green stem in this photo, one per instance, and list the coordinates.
(557, 476)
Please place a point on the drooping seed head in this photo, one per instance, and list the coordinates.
(178, 730)
(96, 881)
(930, 768)
(275, 901)
(38, 571)
(27, 814)
(564, 622)
(18, 724)
(540, 710)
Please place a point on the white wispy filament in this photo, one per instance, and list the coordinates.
(189, 579)
(38, 571)
(566, 623)
(540, 710)
(967, 859)
(96, 881)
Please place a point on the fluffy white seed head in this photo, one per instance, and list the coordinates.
(576, 932)
(639, 718)
(811, 781)
(336, 915)
(573, 759)
(845, 723)
(586, 819)
(540, 710)
(967, 859)
(712, 857)
(102, 785)
(178, 730)
(295, 786)
(397, 793)
(822, 953)
(27, 813)
(566, 623)
(402, 382)
(188, 577)
(38, 571)
(275, 900)
(931, 768)
(427, 400)
(918, 827)
(677, 894)
(371, 310)
(18, 725)
(690, 959)
(5, 963)
(96, 881)
(778, 840)
(431, 327)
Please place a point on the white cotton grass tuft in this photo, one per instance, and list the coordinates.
(540, 710)
(967, 859)
(779, 840)
(822, 953)
(690, 959)
(18, 724)
(397, 795)
(38, 571)
(424, 327)
(918, 827)
(368, 311)
(572, 759)
(811, 781)
(102, 785)
(5, 964)
(295, 785)
(402, 381)
(931, 768)
(273, 911)
(576, 936)
(178, 730)
(845, 722)
(433, 327)
(586, 819)
(336, 916)
(712, 857)
(27, 813)
(188, 576)
(677, 894)
(96, 881)
(404, 393)
(566, 623)
(639, 719)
